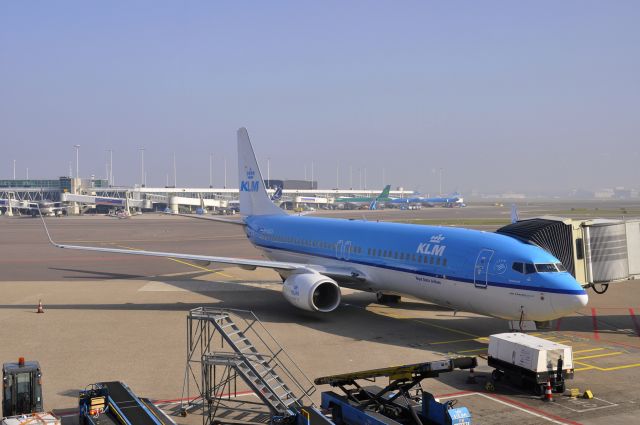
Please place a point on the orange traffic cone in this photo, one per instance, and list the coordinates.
(40, 308)
(548, 395)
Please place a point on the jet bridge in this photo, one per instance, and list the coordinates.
(596, 252)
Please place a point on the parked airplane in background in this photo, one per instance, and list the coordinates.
(454, 200)
(34, 208)
(358, 201)
(462, 269)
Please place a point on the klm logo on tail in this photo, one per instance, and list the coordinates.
(249, 185)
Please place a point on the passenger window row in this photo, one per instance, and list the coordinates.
(416, 258)
(355, 249)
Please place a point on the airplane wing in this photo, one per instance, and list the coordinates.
(342, 275)
(210, 218)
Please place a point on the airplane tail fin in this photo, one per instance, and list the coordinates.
(254, 199)
(385, 192)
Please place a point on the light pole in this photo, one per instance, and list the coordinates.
(175, 177)
(141, 167)
(210, 170)
(110, 170)
(77, 147)
(225, 172)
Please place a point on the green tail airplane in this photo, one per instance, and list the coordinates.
(372, 201)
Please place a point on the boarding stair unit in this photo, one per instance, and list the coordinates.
(225, 346)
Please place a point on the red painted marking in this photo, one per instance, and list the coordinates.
(596, 335)
(558, 323)
(459, 393)
(635, 321)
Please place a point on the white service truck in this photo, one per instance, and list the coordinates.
(530, 361)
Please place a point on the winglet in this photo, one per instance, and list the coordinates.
(45, 227)
(514, 213)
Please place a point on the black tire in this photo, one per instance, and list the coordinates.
(496, 375)
(539, 389)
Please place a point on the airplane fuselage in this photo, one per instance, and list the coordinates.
(459, 268)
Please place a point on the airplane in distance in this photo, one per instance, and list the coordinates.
(371, 201)
(462, 269)
(34, 208)
(454, 200)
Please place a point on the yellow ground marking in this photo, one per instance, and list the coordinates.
(582, 368)
(589, 350)
(606, 369)
(453, 341)
(472, 351)
(422, 322)
(595, 356)
(198, 267)
(446, 328)
(183, 262)
(563, 341)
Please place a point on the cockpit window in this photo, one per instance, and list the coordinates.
(546, 268)
(560, 267)
(525, 268)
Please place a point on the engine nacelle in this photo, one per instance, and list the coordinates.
(312, 292)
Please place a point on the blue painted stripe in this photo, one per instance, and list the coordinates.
(436, 275)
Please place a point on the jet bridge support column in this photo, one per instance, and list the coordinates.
(173, 204)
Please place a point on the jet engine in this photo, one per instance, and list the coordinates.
(312, 292)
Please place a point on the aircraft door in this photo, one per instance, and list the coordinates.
(346, 253)
(339, 249)
(481, 271)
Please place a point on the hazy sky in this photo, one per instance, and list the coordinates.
(509, 95)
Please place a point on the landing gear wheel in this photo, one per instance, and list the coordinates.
(489, 386)
(496, 375)
(387, 299)
(602, 290)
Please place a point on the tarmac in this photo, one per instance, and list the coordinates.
(117, 317)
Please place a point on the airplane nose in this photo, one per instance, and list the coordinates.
(569, 303)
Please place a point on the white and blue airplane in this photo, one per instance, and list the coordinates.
(463, 269)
